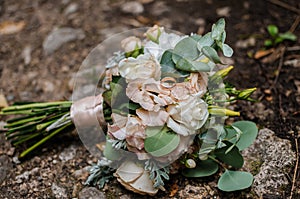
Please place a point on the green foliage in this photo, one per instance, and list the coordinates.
(242, 134)
(38, 123)
(168, 68)
(230, 155)
(157, 174)
(189, 54)
(160, 141)
(277, 37)
(211, 54)
(110, 152)
(235, 180)
(100, 174)
(204, 168)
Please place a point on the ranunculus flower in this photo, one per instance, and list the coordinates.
(131, 43)
(187, 116)
(145, 66)
(134, 178)
(117, 130)
(148, 93)
(151, 118)
(135, 132)
(129, 128)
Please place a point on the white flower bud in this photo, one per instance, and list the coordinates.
(190, 163)
(154, 33)
(131, 43)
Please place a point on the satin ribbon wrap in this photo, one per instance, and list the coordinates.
(88, 112)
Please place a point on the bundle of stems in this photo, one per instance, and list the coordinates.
(36, 123)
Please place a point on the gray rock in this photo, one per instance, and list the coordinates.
(59, 192)
(132, 7)
(73, 7)
(68, 153)
(271, 158)
(60, 36)
(5, 167)
(159, 8)
(91, 193)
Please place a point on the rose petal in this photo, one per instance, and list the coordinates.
(150, 118)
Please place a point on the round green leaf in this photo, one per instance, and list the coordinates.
(168, 67)
(218, 29)
(227, 50)
(249, 133)
(192, 66)
(206, 40)
(230, 155)
(235, 180)
(160, 141)
(211, 54)
(203, 169)
(110, 152)
(186, 48)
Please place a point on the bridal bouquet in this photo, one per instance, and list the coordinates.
(162, 107)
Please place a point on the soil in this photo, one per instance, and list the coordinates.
(46, 76)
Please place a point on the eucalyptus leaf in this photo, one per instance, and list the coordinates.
(206, 40)
(227, 50)
(231, 157)
(249, 133)
(211, 54)
(110, 152)
(160, 141)
(235, 180)
(192, 66)
(168, 67)
(196, 37)
(203, 169)
(186, 48)
(218, 29)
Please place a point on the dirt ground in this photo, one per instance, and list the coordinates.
(45, 77)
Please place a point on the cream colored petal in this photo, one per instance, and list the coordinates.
(119, 120)
(129, 172)
(178, 128)
(144, 184)
(150, 118)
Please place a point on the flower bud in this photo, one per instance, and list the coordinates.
(131, 44)
(154, 33)
(215, 110)
(190, 163)
(221, 73)
(245, 94)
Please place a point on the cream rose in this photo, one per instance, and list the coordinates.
(187, 116)
(131, 43)
(143, 67)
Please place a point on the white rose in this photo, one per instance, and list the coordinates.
(143, 67)
(187, 116)
(131, 43)
(166, 41)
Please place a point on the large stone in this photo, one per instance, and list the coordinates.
(5, 167)
(60, 36)
(91, 193)
(270, 159)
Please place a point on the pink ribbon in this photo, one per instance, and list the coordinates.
(88, 111)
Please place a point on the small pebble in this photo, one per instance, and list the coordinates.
(132, 7)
